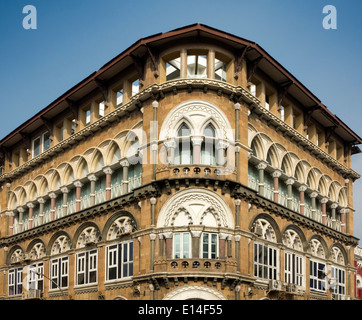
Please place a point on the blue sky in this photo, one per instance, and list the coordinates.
(75, 38)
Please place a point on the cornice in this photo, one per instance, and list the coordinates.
(157, 92)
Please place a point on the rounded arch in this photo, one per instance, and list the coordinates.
(13, 201)
(257, 147)
(291, 233)
(60, 242)
(20, 195)
(68, 174)
(343, 197)
(36, 249)
(265, 227)
(334, 189)
(87, 233)
(202, 205)
(16, 254)
(120, 223)
(55, 181)
(81, 169)
(272, 156)
(113, 153)
(32, 190)
(318, 247)
(338, 254)
(196, 113)
(287, 165)
(194, 292)
(96, 161)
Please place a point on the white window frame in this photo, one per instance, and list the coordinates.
(294, 268)
(123, 265)
(264, 269)
(209, 252)
(181, 244)
(339, 287)
(59, 269)
(15, 280)
(86, 263)
(33, 146)
(43, 141)
(319, 285)
(35, 276)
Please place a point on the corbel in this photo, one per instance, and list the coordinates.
(283, 90)
(309, 112)
(239, 57)
(139, 66)
(154, 60)
(26, 139)
(73, 107)
(252, 65)
(328, 132)
(48, 124)
(103, 87)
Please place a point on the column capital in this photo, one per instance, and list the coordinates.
(107, 170)
(30, 205)
(152, 236)
(290, 181)
(153, 200)
(221, 144)
(41, 200)
(344, 210)
(237, 106)
(20, 209)
(324, 200)
(261, 165)
(196, 140)
(195, 234)
(170, 144)
(314, 194)
(302, 188)
(10, 213)
(276, 173)
(334, 205)
(155, 104)
(92, 177)
(78, 184)
(237, 202)
(52, 195)
(124, 162)
(64, 189)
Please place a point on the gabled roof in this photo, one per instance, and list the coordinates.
(253, 52)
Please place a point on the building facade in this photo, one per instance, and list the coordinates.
(358, 265)
(190, 166)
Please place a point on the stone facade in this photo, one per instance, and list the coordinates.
(187, 167)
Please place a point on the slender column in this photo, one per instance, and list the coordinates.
(313, 195)
(10, 214)
(153, 203)
(92, 197)
(168, 249)
(343, 212)
(276, 175)
(152, 238)
(222, 245)
(125, 165)
(154, 139)
(261, 166)
(41, 210)
(195, 243)
(161, 241)
(31, 211)
(21, 212)
(108, 172)
(221, 146)
(334, 206)
(183, 62)
(302, 190)
(237, 250)
(237, 138)
(52, 197)
(237, 213)
(196, 146)
(324, 209)
(170, 147)
(65, 191)
(78, 189)
(290, 181)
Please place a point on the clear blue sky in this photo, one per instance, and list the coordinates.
(75, 38)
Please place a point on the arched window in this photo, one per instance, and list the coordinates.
(318, 270)
(208, 150)
(183, 153)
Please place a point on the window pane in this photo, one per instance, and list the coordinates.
(46, 141)
(36, 147)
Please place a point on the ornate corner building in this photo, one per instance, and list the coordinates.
(190, 166)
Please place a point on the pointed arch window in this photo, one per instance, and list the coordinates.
(208, 150)
(183, 153)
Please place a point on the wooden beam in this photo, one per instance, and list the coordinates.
(252, 65)
(283, 90)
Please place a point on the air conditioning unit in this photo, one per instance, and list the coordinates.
(291, 288)
(275, 285)
(32, 294)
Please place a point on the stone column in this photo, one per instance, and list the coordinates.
(65, 191)
(168, 249)
(237, 138)
(290, 181)
(78, 189)
(237, 213)
(21, 212)
(41, 210)
(237, 250)
(125, 165)
(31, 211)
(170, 147)
(52, 197)
(344, 212)
(152, 238)
(222, 245)
(92, 197)
(313, 195)
(302, 188)
(154, 145)
(324, 201)
(196, 244)
(261, 166)
(276, 175)
(153, 203)
(221, 146)
(334, 206)
(108, 172)
(10, 214)
(196, 149)
(183, 63)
